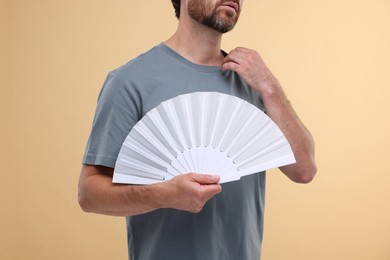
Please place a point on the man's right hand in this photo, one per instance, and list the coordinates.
(190, 192)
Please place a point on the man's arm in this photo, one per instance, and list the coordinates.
(250, 66)
(188, 192)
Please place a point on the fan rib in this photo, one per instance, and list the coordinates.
(149, 172)
(161, 134)
(173, 117)
(150, 138)
(145, 154)
(278, 162)
(229, 123)
(216, 122)
(248, 144)
(274, 147)
(240, 133)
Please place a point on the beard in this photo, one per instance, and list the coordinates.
(219, 20)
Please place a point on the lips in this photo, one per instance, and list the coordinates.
(231, 4)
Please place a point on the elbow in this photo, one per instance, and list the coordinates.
(306, 174)
(83, 200)
(304, 178)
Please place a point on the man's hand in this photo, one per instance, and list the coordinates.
(251, 68)
(190, 192)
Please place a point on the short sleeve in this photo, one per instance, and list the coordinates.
(118, 110)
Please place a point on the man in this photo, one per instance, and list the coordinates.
(191, 216)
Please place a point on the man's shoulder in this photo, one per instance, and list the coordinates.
(141, 65)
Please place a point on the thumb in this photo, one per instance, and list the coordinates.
(205, 178)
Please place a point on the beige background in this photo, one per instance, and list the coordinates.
(332, 57)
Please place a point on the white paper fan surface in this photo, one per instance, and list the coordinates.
(201, 132)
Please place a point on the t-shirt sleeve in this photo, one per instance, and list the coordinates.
(118, 110)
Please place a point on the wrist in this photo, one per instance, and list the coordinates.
(161, 194)
(269, 88)
(146, 197)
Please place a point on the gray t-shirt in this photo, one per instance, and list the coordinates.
(230, 226)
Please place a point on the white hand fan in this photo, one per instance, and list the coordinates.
(202, 132)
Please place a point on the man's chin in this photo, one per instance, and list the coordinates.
(223, 29)
(224, 25)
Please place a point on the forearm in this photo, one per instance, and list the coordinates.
(98, 194)
(279, 109)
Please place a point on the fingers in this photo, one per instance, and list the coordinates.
(232, 60)
(208, 186)
(251, 68)
(235, 56)
(211, 190)
(190, 192)
(204, 178)
(237, 60)
(230, 66)
(203, 194)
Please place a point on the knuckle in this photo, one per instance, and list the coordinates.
(199, 207)
(197, 194)
(196, 208)
(234, 66)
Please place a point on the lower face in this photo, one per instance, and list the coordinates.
(215, 16)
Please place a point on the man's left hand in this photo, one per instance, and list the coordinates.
(251, 68)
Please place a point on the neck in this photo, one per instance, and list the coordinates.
(197, 43)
